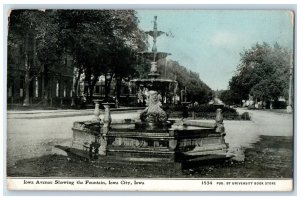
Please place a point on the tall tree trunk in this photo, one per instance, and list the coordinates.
(118, 87)
(27, 81)
(45, 84)
(43, 93)
(75, 86)
(92, 86)
(27, 85)
(87, 81)
(107, 86)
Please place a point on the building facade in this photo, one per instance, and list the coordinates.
(48, 85)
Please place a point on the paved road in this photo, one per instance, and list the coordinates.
(35, 135)
(34, 114)
(243, 134)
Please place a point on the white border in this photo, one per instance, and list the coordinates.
(173, 185)
(218, 2)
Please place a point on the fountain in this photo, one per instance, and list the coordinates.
(151, 139)
(154, 83)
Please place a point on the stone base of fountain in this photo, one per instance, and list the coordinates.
(172, 144)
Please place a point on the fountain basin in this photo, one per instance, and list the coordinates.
(181, 144)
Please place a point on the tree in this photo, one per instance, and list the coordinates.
(101, 42)
(197, 90)
(229, 97)
(262, 73)
(26, 29)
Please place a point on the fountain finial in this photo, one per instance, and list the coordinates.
(154, 48)
(154, 34)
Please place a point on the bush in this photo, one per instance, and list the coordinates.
(199, 108)
(203, 111)
(279, 104)
(211, 108)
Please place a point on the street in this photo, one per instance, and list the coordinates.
(263, 122)
(35, 134)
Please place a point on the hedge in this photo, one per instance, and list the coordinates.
(204, 112)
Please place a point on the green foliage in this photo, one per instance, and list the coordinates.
(229, 97)
(142, 70)
(99, 41)
(212, 108)
(200, 108)
(262, 73)
(102, 40)
(197, 90)
(203, 111)
(25, 32)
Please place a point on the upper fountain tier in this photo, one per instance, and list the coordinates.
(154, 55)
(150, 55)
(154, 82)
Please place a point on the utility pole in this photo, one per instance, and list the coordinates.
(289, 108)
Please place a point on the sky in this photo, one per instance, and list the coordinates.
(209, 42)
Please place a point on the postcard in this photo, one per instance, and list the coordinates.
(150, 100)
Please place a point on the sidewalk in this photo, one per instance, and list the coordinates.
(40, 114)
(45, 111)
(275, 111)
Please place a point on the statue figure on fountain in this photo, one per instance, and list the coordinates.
(154, 112)
(153, 67)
